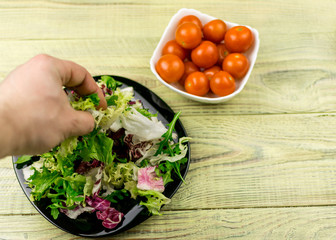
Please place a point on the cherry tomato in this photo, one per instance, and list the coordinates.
(191, 18)
(188, 35)
(170, 68)
(238, 39)
(222, 84)
(205, 55)
(172, 47)
(210, 72)
(189, 67)
(222, 53)
(214, 30)
(197, 84)
(236, 64)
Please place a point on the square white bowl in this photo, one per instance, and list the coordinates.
(169, 34)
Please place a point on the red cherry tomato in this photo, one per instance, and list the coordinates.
(171, 47)
(191, 18)
(170, 68)
(189, 67)
(238, 39)
(188, 35)
(236, 64)
(222, 84)
(205, 55)
(197, 84)
(222, 53)
(214, 30)
(210, 72)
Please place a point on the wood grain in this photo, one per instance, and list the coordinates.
(269, 90)
(294, 70)
(246, 161)
(267, 223)
(263, 164)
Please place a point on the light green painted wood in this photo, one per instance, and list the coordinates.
(263, 165)
(272, 88)
(246, 161)
(262, 224)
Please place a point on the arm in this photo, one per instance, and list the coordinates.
(35, 114)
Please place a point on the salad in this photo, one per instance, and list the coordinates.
(127, 159)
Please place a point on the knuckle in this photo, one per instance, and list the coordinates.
(42, 57)
(44, 61)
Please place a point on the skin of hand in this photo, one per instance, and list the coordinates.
(35, 114)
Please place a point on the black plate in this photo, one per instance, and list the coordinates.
(88, 225)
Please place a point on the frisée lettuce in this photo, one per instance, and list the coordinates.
(128, 159)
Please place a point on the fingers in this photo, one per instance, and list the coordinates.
(80, 123)
(75, 77)
(79, 79)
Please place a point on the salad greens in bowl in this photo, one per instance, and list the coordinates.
(118, 175)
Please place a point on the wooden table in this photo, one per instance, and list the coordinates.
(263, 165)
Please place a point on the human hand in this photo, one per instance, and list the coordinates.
(35, 114)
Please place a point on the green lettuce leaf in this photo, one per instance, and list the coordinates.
(88, 186)
(23, 159)
(111, 100)
(110, 82)
(41, 182)
(131, 186)
(167, 167)
(68, 146)
(96, 145)
(146, 112)
(94, 98)
(164, 145)
(154, 200)
(118, 174)
(83, 104)
(117, 105)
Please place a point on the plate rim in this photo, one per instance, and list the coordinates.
(140, 210)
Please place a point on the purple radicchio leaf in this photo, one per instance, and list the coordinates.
(98, 203)
(74, 213)
(137, 150)
(85, 167)
(148, 180)
(110, 216)
(98, 174)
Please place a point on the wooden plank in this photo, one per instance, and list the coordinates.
(254, 159)
(294, 75)
(12, 198)
(275, 86)
(245, 161)
(268, 223)
(241, 161)
(69, 19)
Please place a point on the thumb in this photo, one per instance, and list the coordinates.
(80, 123)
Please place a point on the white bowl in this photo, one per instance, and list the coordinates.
(169, 34)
